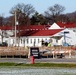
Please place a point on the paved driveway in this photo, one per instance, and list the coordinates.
(48, 60)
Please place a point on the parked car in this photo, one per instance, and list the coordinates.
(60, 55)
(3, 44)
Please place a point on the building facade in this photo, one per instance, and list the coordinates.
(33, 35)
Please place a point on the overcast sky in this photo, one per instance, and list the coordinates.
(39, 5)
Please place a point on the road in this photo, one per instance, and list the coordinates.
(43, 60)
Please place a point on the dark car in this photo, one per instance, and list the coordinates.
(3, 44)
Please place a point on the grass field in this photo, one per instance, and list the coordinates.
(65, 65)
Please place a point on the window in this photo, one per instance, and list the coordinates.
(24, 41)
(57, 40)
(35, 40)
(38, 40)
(31, 40)
(45, 39)
(13, 41)
(27, 40)
(21, 41)
(74, 30)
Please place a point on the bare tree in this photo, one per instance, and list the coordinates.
(23, 12)
(1, 20)
(54, 11)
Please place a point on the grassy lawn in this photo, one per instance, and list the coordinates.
(65, 65)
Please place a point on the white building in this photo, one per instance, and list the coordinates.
(67, 36)
(33, 35)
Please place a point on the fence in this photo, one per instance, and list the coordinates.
(13, 51)
(21, 51)
(57, 50)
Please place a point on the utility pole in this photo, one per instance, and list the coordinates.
(15, 29)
